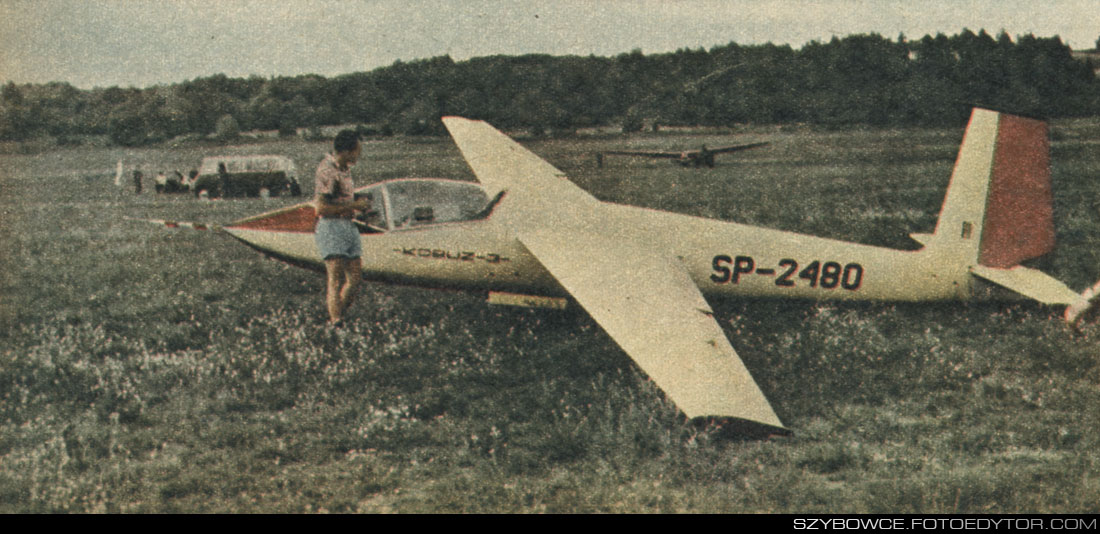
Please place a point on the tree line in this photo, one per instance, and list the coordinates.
(856, 80)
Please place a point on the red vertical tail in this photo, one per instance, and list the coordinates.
(997, 212)
(1019, 223)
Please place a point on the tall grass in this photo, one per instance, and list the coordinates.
(152, 370)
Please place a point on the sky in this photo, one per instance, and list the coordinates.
(140, 43)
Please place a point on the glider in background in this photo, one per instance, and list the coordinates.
(687, 158)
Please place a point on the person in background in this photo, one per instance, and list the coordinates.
(137, 180)
(223, 180)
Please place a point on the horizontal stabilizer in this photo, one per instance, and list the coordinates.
(1029, 283)
(1036, 285)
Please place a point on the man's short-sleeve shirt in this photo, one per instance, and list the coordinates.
(330, 180)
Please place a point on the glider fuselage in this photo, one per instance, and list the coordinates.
(724, 259)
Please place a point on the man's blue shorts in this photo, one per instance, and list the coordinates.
(338, 238)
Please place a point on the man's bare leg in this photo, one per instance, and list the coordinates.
(353, 275)
(334, 268)
(344, 276)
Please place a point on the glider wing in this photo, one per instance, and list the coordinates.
(735, 148)
(654, 311)
(670, 155)
(643, 298)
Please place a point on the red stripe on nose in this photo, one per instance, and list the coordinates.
(296, 219)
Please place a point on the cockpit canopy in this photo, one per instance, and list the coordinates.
(408, 203)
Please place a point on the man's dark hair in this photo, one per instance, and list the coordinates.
(345, 141)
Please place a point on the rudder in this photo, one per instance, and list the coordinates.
(998, 208)
(1019, 219)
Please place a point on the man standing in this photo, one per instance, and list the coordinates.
(223, 180)
(337, 236)
(137, 180)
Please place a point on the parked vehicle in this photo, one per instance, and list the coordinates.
(252, 176)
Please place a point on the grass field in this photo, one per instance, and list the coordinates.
(152, 370)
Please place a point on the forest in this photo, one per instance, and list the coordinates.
(862, 79)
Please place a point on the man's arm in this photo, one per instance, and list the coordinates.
(326, 206)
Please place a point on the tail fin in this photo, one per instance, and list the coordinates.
(998, 209)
